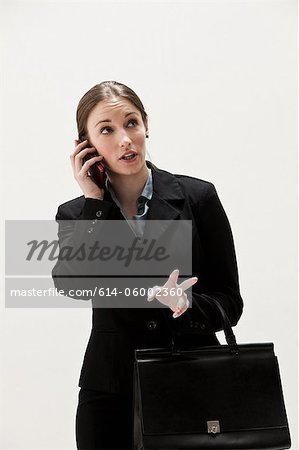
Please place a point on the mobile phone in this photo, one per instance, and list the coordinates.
(98, 169)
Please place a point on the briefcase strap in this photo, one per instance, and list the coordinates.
(227, 328)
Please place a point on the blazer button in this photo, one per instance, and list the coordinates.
(99, 213)
(202, 327)
(90, 230)
(191, 324)
(151, 325)
(94, 221)
(196, 324)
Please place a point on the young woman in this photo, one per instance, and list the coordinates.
(112, 122)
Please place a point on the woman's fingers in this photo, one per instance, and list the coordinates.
(86, 166)
(188, 283)
(79, 164)
(78, 147)
(180, 310)
(173, 277)
(182, 302)
(177, 301)
(81, 149)
(81, 168)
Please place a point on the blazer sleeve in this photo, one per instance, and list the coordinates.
(76, 231)
(218, 272)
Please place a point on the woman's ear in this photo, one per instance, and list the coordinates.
(146, 128)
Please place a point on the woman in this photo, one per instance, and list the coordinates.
(112, 121)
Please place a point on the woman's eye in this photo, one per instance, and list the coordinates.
(133, 121)
(105, 128)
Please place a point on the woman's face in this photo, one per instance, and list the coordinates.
(115, 127)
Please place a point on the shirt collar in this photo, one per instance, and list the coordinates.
(147, 190)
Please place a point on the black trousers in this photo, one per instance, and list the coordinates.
(104, 420)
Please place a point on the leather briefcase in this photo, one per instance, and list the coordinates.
(217, 397)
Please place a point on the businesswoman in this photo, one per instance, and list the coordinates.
(112, 122)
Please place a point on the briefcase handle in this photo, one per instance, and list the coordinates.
(227, 328)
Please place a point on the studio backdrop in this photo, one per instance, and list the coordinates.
(218, 80)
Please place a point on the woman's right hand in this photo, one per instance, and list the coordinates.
(89, 187)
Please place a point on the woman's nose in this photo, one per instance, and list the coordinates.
(125, 140)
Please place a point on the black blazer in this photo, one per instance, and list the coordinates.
(115, 333)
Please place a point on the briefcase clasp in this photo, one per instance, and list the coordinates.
(213, 426)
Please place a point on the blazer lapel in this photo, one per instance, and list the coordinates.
(166, 203)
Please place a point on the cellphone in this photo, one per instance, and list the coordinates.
(98, 169)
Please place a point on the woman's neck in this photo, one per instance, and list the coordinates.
(128, 188)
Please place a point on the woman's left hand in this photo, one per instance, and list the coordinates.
(172, 294)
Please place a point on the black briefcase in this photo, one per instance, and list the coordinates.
(218, 397)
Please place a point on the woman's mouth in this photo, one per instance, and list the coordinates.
(129, 157)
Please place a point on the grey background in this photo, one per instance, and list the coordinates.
(219, 82)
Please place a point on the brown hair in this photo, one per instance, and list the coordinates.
(102, 91)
